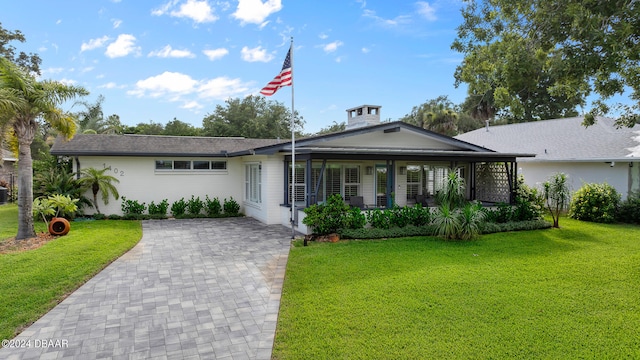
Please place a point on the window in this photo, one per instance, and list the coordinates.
(301, 188)
(197, 165)
(219, 165)
(351, 181)
(253, 183)
(201, 165)
(164, 165)
(181, 165)
(413, 181)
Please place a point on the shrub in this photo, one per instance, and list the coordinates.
(629, 210)
(194, 206)
(419, 215)
(178, 207)
(595, 202)
(501, 214)
(379, 219)
(529, 203)
(159, 209)
(354, 219)
(489, 228)
(132, 206)
(327, 218)
(231, 207)
(212, 206)
(114, 217)
(99, 216)
(373, 233)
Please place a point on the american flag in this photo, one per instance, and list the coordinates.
(285, 78)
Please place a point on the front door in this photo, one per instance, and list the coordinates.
(381, 185)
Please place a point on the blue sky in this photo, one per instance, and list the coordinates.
(165, 59)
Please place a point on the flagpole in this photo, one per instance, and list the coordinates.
(293, 153)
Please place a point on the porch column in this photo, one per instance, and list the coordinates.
(391, 183)
(309, 185)
(287, 173)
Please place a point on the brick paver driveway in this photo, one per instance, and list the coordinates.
(191, 289)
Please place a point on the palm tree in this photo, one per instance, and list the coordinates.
(23, 102)
(99, 182)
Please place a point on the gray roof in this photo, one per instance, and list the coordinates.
(151, 145)
(561, 140)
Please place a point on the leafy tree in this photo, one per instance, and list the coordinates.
(176, 127)
(28, 62)
(251, 117)
(97, 181)
(333, 128)
(529, 50)
(151, 128)
(23, 101)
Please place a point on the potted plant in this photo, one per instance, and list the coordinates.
(56, 206)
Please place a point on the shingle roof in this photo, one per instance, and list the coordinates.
(561, 140)
(7, 155)
(149, 145)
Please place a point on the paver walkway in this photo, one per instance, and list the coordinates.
(190, 289)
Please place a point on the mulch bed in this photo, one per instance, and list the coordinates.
(12, 245)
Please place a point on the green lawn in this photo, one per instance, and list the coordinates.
(563, 293)
(33, 282)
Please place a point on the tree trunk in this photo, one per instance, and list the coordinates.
(95, 197)
(25, 131)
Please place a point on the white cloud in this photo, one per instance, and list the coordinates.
(333, 46)
(167, 83)
(178, 87)
(366, 50)
(256, 11)
(116, 23)
(216, 53)
(427, 11)
(68, 81)
(59, 21)
(222, 88)
(52, 71)
(169, 52)
(94, 43)
(192, 105)
(109, 85)
(398, 20)
(323, 36)
(255, 54)
(123, 46)
(198, 11)
(86, 69)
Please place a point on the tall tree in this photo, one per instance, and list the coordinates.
(91, 119)
(530, 50)
(23, 102)
(28, 62)
(98, 181)
(251, 117)
(438, 115)
(176, 127)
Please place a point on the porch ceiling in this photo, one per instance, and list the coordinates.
(401, 154)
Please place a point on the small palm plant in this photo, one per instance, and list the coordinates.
(470, 216)
(447, 222)
(453, 190)
(558, 196)
(97, 181)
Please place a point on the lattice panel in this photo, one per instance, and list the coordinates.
(492, 182)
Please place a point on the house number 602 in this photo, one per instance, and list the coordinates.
(115, 170)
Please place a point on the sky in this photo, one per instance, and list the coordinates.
(156, 60)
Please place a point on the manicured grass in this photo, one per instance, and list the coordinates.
(562, 293)
(33, 282)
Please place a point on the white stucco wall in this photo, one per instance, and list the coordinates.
(536, 173)
(140, 181)
(268, 211)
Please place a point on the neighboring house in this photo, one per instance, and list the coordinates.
(378, 163)
(7, 166)
(596, 154)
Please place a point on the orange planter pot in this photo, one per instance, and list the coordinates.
(59, 226)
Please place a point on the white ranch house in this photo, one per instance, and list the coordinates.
(371, 162)
(596, 154)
